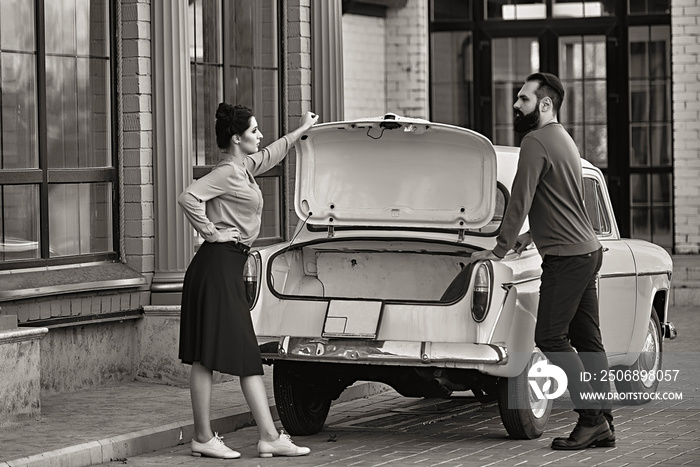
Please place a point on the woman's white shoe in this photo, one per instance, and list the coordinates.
(282, 446)
(213, 448)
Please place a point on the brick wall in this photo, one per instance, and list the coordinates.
(298, 43)
(407, 59)
(139, 226)
(385, 62)
(686, 127)
(364, 66)
(62, 306)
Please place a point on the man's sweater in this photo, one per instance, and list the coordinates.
(548, 187)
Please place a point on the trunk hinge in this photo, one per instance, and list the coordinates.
(331, 231)
(460, 236)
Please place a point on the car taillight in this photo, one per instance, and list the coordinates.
(481, 293)
(251, 277)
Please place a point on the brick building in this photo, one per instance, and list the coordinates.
(685, 20)
(107, 114)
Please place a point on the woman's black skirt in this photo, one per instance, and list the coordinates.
(215, 327)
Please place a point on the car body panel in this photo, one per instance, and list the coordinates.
(617, 292)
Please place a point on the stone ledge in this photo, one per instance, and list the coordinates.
(20, 284)
(21, 335)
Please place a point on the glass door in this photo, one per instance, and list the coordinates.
(583, 72)
(650, 134)
(513, 59)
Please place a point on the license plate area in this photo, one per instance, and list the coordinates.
(352, 318)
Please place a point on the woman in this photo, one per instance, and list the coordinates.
(216, 331)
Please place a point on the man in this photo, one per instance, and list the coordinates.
(548, 186)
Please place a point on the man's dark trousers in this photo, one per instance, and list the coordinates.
(567, 318)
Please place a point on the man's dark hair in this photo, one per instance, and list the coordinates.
(550, 86)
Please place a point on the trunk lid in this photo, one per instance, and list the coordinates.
(395, 172)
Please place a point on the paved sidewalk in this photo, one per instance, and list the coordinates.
(93, 426)
(127, 420)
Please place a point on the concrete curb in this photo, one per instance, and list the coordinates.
(159, 437)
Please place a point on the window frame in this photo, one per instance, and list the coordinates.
(604, 217)
(43, 176)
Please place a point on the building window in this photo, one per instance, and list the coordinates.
(583, 72)
(581, 9)
(641, 7)
(448, 11)
(650, 152)
(206, 68)
(234, 57)
(516, 9)
(513, 59)
(452, 78)
(57, 174)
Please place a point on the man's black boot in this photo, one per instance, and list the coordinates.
(607, 442)
(583, 437)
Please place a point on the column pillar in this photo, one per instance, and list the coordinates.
(172, 147)
(327, 59)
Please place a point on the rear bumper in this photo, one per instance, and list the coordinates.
(385, 352)
(670, 331)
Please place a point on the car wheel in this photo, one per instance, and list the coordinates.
(640, 377)
(523, 415)
(302, 406)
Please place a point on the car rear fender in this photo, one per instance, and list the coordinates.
(655, 301)
(515, 326)
(654, 268)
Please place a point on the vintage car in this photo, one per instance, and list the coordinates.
(377, 285)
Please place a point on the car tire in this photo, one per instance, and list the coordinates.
(302, 406)
(648, 363)
(522, 415)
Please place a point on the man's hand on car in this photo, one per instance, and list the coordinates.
(522, 242)
(484, 255)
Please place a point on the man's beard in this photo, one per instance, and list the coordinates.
(526, 123)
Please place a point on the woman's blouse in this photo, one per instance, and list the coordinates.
(228, 196)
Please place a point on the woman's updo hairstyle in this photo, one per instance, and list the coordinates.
(231, 120)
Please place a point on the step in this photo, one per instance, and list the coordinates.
(685, 284)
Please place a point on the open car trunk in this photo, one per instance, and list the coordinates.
(373, 269)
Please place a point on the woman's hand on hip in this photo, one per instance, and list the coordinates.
(230, 234)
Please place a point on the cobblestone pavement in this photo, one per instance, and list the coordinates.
(388, 429)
